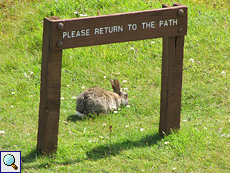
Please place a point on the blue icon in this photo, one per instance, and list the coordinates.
(9, 160)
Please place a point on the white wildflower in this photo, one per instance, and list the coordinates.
(115, 112)
(128, 106)
(82, 87)
(101, 137)
(142, 129)
(174, 168)
(104, 124)
(152, 42)
(83, 15)
(13, 93)
(104, 77)
(191, 60)
(2, 132)
(126, 89)
(124, 81)
(114, 108)
(185, 120)
(205, 128)
(62, 98)
(12, 106)
(67, 85)
(222, 135)
(74, 97)
(126, 126)
(223, 72)
(166, 142)
(132, 48)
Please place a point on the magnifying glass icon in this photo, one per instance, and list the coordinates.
(9, 160)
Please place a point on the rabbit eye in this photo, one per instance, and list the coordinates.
(126, 96)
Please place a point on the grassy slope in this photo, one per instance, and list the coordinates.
(202, 145)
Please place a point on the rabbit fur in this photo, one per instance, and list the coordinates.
(97, 100)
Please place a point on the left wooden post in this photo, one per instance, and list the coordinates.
(49, 108)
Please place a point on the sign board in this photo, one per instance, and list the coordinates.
(89, 31)
(170, 23)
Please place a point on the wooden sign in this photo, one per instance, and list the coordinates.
(116, 28)
(170, 23)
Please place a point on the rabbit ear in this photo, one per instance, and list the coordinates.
(114, 89)
(116, 86)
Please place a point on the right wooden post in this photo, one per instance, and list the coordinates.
(171, 83)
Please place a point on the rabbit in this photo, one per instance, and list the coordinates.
(97, 100)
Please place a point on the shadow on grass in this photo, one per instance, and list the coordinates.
(95, 153)
(31, 157)
(73, 118)
(34, 155)
(114, 149)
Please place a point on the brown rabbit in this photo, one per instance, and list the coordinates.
(97, 100)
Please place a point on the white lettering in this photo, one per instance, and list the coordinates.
(69, 36)
(174, 22)
(160, 23)
(129, 25)
(166, 23)
(106, 28)
(73, 34)
(148, 24)
(83, 32)
(101, 30)
(153, 24)
(169, 22)
(97, 31)
(110, 30)
(115, 29)
(134, 26)
(78, 34)
(64, 34)
(88, 32)
(120, 28)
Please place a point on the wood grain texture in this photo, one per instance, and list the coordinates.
(171, 83)
(124, 20)
(49, 94)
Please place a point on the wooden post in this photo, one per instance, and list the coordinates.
(171, 83)
(49, 93)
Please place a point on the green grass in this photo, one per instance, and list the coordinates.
(201, 145)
